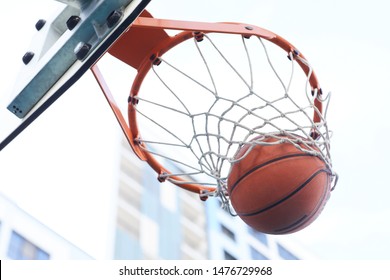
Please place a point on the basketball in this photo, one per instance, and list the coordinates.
(278, 189)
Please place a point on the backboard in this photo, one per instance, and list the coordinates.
(65, 46)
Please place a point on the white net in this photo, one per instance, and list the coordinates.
(206, 99)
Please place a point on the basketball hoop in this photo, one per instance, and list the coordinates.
(202, 94)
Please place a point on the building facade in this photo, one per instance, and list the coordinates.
(22, 237)
(161, 221)
(148, 220)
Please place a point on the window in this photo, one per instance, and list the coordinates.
(259, 236)
(228, 256)
(286, 254)
(256, 255)
(22, 249)
(228, 232)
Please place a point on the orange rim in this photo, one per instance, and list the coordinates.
(157, 43)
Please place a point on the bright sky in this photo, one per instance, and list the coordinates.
(52, 169)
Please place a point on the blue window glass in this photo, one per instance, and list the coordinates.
(228, 232)
(256, 255)
(22, 249)
(286, 254)
(259, 236)
(228, 256)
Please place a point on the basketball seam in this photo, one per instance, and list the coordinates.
(292, 226)
(288, 196)
(264, 164)
(305, 218)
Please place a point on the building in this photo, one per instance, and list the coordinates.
(22, 237)
(149, 220)
(162, 221)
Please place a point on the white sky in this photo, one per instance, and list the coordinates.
(52, 168)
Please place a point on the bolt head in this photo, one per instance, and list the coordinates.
(199, 36)
(28, 56)
(114, 18)
(72, 22)
(40, 24)
(81, 50)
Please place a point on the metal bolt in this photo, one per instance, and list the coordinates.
(114, 18)
(72, 22)
(155, 60)
(199, 36)
(81, 50)
(133, 100)
(162, 177)
(17, 110)
(152, 57)
(40, 24)
(203, 195)
(247, 36)
(27, 57)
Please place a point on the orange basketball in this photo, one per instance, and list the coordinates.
(278, 189)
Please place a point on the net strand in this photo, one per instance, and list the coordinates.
(212, 160)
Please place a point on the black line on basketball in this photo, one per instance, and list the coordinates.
(288, 196)
(264, 164)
